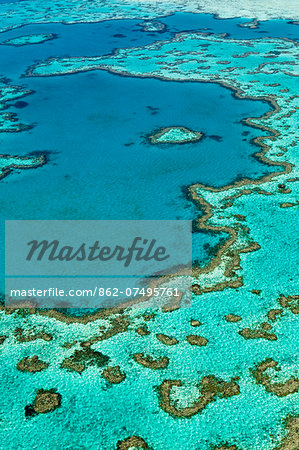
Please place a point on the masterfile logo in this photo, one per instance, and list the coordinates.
(140, 250)
(48, 260)
(97, 248)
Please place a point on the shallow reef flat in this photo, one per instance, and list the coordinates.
(29, 39)
(10, 124)
(174, 135)
(14, 15)
(189, 387)
(152, 26)
(9, 121)
(8, 163)
(9, 93)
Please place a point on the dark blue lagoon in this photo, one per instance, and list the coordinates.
(95, 128)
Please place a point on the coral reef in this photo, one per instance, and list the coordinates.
(167, 340)
(114, 375)
(200, 341)
(151, 363)
(280, 389)
(32, 365)
(210, 388)
(81, 359)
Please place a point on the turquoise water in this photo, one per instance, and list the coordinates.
(93, 127)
